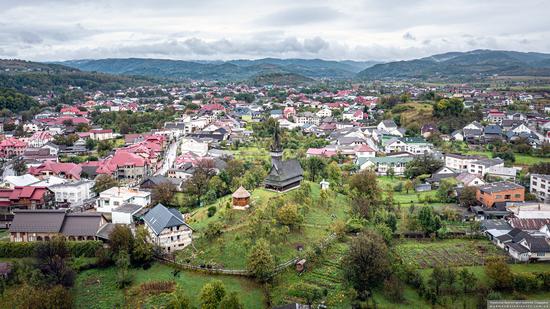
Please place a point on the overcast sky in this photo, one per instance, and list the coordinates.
(46, 30)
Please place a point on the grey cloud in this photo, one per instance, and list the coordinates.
(300, 16)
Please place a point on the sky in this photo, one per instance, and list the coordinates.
(53, 30)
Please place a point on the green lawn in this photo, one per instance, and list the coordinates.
(521, 159)
(404, 198)
(96, 288)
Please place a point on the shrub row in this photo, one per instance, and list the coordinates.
(27, 249)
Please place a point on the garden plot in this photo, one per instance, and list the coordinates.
(446, 253)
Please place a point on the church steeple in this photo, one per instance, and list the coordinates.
(276, 147)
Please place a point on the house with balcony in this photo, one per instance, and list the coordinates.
(500, 193)
(167, 228)
(118, 196)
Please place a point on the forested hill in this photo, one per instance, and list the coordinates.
(234, 70)
(463, 65)
(33, 78)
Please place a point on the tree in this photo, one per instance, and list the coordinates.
(366, 263)
(231, 301)
(334, 173)
(51, 257)
(123, 278)
(467, 280)
(437, 278)
(445, 192)
(179, 300)
(142, 252)
(429, 221)
(365, 193)
(315, 166)
(163, 193)
(260, 261)
(104, 182)
(448, 107)
(422, 165)
(309, 292)
(289, 215)
(212, 294)
(235, 168)
(121, 239)
(213, 230)
(19, 167)
(197, 185)
(408, 186)
(90, 144)
(498, 271)
(390, 172)
(467, 197)
(540, 168)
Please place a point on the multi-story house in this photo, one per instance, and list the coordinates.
(540, 186)
(12, 147)
(40, 138)
(167, 228)
(500, 192)
(481, 167)
(459, 162)
(23, 197)
(307, 118)
(117, 196)
(101, 134)
(73, 193)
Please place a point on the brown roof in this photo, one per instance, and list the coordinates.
(241, 193)
(37, 221)
(56, 221)
(528, 224)
(81, 224)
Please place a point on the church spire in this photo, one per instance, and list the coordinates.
(276, 146)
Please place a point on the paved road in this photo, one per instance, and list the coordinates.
(169, 158)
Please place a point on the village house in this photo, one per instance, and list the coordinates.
(43, 225)
(12, 147)
(459, 162)
(23, 197)
(481, 167)
(64, 170)
(500, 192)
(167, 228)
(118, 196)
(382, 165)
(39, 139)
(101, 134)
(73, 193)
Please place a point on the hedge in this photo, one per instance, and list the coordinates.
(26, 249)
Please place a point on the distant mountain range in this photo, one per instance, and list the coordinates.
(463, 65)
(35, 78)
(234, 70)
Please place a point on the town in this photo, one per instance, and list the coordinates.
(273, 184)
(358, 154)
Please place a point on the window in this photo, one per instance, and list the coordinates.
(517, 195)
(507, 196)
(499, 196)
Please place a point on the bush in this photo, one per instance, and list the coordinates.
(211, 211)
(27, 249)
(525, 282)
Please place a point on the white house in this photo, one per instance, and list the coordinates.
(481, 167)
(196, 147)
(101, 134)
(117, 196)
(74, 193)
(540, 186)
(381, 165)
(167, 228)
(459, 162)
(125, 214)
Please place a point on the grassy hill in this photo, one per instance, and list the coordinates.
(35, 78)
(466, 65)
